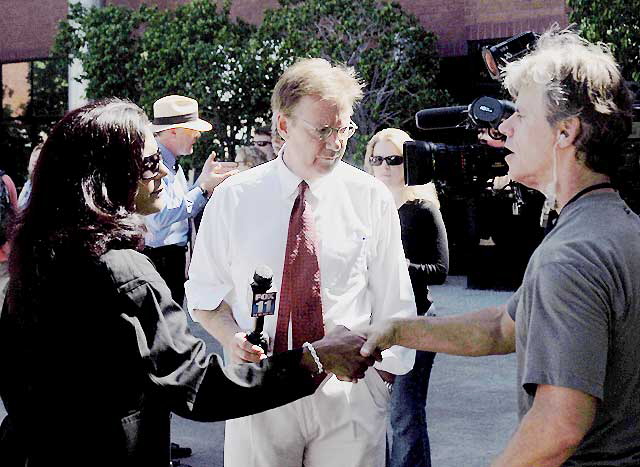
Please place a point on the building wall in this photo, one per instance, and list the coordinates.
(457, 21)
(26, 36)
(27, 28)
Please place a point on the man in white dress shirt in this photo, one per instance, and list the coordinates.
(363, 276)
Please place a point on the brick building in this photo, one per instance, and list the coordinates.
(27, 28)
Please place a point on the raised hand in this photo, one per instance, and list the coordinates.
(213, 173)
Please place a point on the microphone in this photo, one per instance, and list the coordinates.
(263, 303)
(442, 117)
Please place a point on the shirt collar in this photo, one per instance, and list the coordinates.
(167, 156)
(290, 181)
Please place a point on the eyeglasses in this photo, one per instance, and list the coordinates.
(151, 165)
(325, 132)
(390, 160)
(262, 144)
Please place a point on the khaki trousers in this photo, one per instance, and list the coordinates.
(342, 424)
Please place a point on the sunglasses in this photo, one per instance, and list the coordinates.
(262, 144)
(390, 160)
(151, 165)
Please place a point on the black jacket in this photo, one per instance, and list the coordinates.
(100, 355)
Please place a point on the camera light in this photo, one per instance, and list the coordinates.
(507, 51)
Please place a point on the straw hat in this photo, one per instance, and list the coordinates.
(177, 112)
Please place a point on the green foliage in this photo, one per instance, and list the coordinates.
(106, 41)
(14, 144)
(47, 103)
(615, 22)
(388, 47)
(196, 50)
(230, 67)
(48, 94)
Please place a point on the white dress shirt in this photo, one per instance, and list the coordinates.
(363, 272)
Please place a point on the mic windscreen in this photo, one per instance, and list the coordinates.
(441, 117)
(264, 272)
(262, 278)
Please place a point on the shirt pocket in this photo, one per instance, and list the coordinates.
(343, 260)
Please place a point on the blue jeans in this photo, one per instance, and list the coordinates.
(410, 447)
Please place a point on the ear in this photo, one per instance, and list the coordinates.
(568, 132)
(282, 125)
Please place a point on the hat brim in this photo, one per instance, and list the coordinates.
(198, 125)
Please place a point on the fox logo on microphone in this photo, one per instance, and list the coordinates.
(263, 304)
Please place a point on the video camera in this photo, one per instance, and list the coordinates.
(425, 161)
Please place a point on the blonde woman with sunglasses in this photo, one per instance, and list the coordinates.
(424, 239)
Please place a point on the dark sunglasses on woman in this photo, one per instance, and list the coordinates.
(390, 160)
(151, 165)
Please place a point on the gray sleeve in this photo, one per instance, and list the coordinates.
(567, 329)
(512, 303)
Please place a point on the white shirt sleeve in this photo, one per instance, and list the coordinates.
(390, 286)
(210, 279)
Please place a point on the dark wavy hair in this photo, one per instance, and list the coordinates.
(83, 190)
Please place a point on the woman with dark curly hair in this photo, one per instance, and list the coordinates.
(92, 347)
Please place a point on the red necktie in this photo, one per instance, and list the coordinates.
(300, 290)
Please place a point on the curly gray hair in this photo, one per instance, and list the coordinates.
(581, 80)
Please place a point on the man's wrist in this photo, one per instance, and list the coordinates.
(204, 191)
(309, 361)
(393, 334)
(314, 355)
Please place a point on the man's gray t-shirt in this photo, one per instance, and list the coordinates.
(577, 316)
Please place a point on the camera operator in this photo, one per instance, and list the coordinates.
(574, 321)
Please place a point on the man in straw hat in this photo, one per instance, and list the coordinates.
(177, 127)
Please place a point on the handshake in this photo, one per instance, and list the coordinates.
(344, 353)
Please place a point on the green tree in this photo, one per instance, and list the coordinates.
(106, 41)
(230, 66)
(198, 51)
(47, 101)
(195, 50)
(19, 135)
(615, 22)
(49, 87)
(387, 46)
